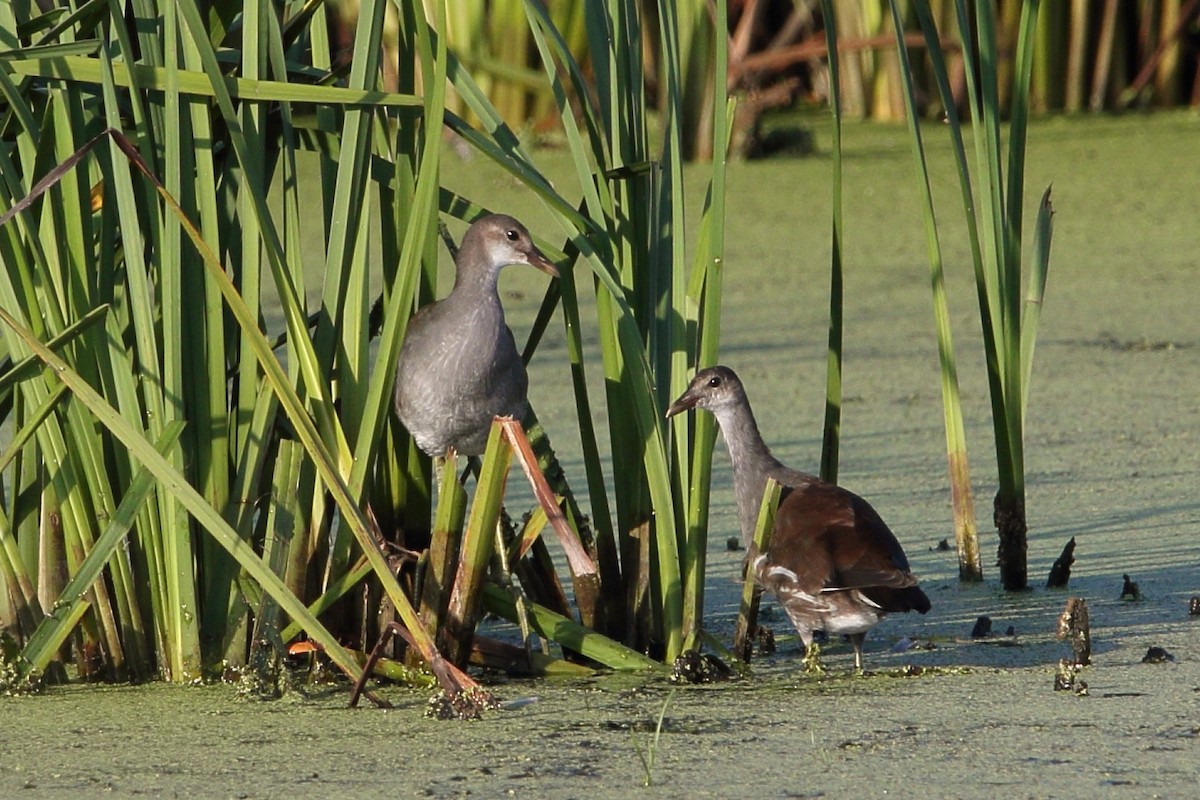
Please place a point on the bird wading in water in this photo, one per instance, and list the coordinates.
(833, 564)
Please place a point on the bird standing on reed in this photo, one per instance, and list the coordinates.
(459, 366)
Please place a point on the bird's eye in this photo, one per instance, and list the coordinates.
(714, 381)
(512, 235)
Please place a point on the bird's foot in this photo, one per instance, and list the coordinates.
(812, 659)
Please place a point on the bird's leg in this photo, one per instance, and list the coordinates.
(439, 467)
(470, 469)
(812, 656)
(584, 574)
(856, 639)
(505, 580)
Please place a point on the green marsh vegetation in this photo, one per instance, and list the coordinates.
(1008, 318)
(186, 485)
(218, 475)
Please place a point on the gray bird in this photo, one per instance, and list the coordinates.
(832, 564)
(459, 366)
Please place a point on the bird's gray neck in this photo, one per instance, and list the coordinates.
(474, 274)
(482, 285)
(752, 464)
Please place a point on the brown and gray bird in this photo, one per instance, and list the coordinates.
(832, 563)
(459, 366)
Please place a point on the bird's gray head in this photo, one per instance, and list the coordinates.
(498, 240)
(715, 389)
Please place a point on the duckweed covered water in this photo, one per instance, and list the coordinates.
(1113, 444)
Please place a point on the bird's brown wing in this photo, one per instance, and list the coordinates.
(832, 539)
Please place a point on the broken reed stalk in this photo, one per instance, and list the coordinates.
(1060, 570)
(1074, 626)
(584, 576)
(506, 441)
